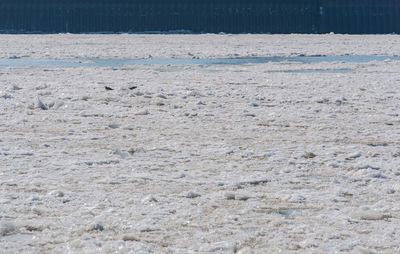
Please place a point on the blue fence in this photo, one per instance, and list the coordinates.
(207, 16)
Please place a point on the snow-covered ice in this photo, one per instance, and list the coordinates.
(253, 158)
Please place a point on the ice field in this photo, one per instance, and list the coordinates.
(176, 152)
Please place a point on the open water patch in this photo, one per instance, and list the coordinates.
(24, 62)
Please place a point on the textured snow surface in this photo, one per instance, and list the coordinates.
(255, 158)
(130, 46)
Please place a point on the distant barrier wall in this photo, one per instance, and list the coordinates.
(212, 16)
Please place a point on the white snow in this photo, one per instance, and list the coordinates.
(200, 159)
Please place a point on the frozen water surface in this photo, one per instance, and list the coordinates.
(320, 71)
(229, 152)
(15, 62)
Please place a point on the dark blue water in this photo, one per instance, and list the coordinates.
(20, 62)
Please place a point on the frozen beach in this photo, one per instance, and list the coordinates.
(261, 157)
